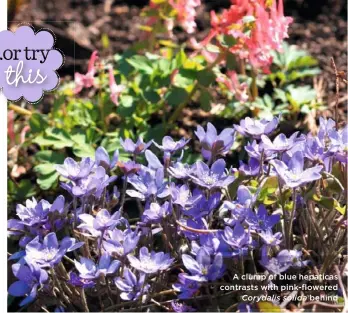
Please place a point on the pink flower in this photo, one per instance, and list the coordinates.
(87, 80)
(257, 26)
(231, 82)
(115, 89)
(186, 10)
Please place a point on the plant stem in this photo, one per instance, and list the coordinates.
(19, 110)
(290, 242)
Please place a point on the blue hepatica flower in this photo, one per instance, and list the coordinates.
(281, 143)
(155, 213)
(181, 170)
(89, 270)
(169, 145)
(77, 281)
(238, 239)
(255, 128)
(261, 221)
(120, 243)
(293, 174)
(204, 268)
(135, 147)
(129, 168)
(213, 144)
(50, 251)
(152, 262)
(315, 150)
(213, 177)
(181, 307)
(252, 168)
(256, 150)
(102, 158)
(271, 239)
(75, 170)
(147, 184)
(203, 206)
(187, 287)
(30, 277)
(284, 260)
(131, 286)
(93, 184)
(101, 222)
(325, 127)
(339, 144)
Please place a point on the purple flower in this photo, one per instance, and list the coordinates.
(102, 158)
(89, 270)
(281, 143)
(49, 253)
(271, 239)
(155, 213)
(147, 184)
(181, 195)
(325, 127)
(339, 144)
(181, 307)
(120, 243)
(314, 150)
(203, 206)
(171, 146)
(181, 171)
(101, 222)
(284, 260)
(129, 168)
(77, 281)
(134, 148)
(150, 263)
(95, 183)
(204, 268)
(213, 177)
(256, 150)
(30, 277)
(36, 213)
(293, 174)
(255, 128)
(250, 169)
(238, 239)
(75, 170)
(213, 144)
(187, 287)
(261, 221)
(132, 287)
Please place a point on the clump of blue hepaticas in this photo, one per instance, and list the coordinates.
(196, 225)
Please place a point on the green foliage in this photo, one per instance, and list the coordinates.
(292, 64)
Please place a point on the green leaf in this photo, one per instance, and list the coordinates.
(141, 63)
(205, 100)
(176, 96)
(206, 77)
(47, 181)
(38, 123)
(45, 169)
(24, 190)
(50, 157)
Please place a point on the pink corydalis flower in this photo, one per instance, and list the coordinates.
(258, 26)
(86, 80)
(186, 10)
(239, 90)
(115, 90)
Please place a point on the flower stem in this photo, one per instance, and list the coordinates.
(290, 242)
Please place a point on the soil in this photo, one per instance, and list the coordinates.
(320, 26)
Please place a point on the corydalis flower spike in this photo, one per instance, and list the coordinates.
(115, 90)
